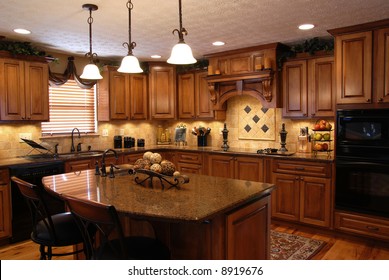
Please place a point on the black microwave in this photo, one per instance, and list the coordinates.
(362, 132)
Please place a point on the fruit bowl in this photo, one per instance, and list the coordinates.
(172, 181)
(322, 125)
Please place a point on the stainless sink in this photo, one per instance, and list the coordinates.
(81, 154)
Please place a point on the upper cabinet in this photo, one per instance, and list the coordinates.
(162, 90)
(309, 87)
(122, 96)
(193, 96)
(251, 71)
(361, 55)
(24, 90)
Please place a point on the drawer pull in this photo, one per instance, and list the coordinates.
(373, 228)
(299, 168)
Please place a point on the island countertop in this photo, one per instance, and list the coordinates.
(202, 198)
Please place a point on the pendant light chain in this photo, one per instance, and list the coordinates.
(130, 45)
(90, 54)
(182, 30)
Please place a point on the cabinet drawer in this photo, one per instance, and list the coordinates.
(363, 225)
(190, 157)
(4, 177)
(302, 168)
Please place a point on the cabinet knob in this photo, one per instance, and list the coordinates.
(368, 100)
(313, 114)
(372, 228)
(301, 178)
(380, 99)
(297, 178)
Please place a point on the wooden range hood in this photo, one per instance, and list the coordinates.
(242, 73)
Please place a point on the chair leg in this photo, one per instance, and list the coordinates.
(42, 251)
(49, 252)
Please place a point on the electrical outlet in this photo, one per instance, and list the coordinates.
(25, 135)
(121, 132)
(105, 132)
(221, 130)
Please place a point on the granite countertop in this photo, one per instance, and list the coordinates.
(201, 199)
(319, 157)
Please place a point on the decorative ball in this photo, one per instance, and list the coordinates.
(147, 155)
(168, 167)
(156, 167)
(155, 158)
(176, 173)
(143, 163)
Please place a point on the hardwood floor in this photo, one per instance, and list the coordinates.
(337, 247)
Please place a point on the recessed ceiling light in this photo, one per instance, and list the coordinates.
(218, 43)
(306, 26)
(155, 56)
(22, 31)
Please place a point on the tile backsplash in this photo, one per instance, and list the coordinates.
(251, 126)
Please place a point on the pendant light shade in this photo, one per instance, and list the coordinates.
(91, 71)
(130, 63)
(181, 52)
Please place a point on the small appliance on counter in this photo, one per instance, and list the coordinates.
(163, 136)
(117, 142)
(303, 141)
(140, 142)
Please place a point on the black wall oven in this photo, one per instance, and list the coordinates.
(362, 161)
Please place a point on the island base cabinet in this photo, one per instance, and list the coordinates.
(243, 233)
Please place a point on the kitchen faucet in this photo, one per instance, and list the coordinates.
(72, 149)
(103, 170)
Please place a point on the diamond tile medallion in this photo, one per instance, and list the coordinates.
(255, 121)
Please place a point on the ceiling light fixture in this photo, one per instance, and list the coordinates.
(130, 64)
(218, 43)
(91, 71)
(306, 26)
(181, 52)
(155, 56)
(22, 31)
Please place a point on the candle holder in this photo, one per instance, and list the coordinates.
(225, 138)
(283, 134)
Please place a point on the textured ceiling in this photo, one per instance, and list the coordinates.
(61, 26)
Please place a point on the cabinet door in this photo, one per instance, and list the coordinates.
(248, 168)
(79, 165)
(5, 205)
(162, 92)
(221, 166)
(354, 68)
(12, 90)
(295, 89)
(248, 232)
(37, 91)
(119, 97)
(321, 87)
(131, 158)
(286, 197)
(381, 65)
(203, 104)
(138, 92)
(186, 96)
(315, 201)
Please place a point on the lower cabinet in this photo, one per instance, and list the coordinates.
(303, 192)
(90, 163)
(189, 162)
(237, 167)
(5, 204)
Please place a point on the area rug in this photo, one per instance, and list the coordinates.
(285, 246)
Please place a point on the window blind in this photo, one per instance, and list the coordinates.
(70, 106)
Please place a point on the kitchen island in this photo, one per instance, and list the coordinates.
(206, 218)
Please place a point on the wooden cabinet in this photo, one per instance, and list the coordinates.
(309, 88)
(354, 67)
(362, 224)
(236, 167)
(381, 66)
(362, 64)
(124, 94)
(79, 165)
(24, 90)
(162, 91)
(5, 204)
(131, 158)
(193, 96)
(248, 232)
(189, 162)
(303, 192)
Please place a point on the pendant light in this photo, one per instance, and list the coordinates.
(181, 52)
(130, 63)
(91, 71)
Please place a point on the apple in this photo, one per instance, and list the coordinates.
(317, 127)
(322, 126)
(326, 136)
(324, 146)
(317, 136)
(328, 126)
(318, 147)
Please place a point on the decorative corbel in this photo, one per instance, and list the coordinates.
(267, 90)
(212, 92)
